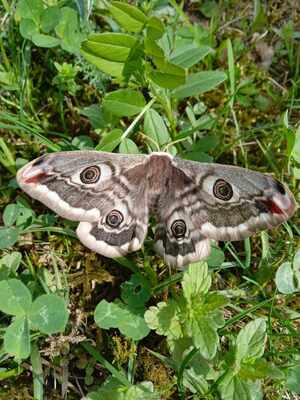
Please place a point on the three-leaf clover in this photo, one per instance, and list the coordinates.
(47, 313)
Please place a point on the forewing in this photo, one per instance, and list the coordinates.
(57, 181)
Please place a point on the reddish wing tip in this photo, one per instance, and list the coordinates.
(272, 207)
(35, 178)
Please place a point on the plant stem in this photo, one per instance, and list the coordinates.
(136, 120)
(37, 372)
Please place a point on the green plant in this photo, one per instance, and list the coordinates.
(47, 314)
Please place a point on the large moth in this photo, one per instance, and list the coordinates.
(113, 195)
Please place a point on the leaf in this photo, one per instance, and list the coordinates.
(50, 18)
(11, 262)
(10, 214)
(114, 315)
(187, 56)
(134, 64)
(152, 48)
(260, 369)
(128, 146)
(8, 237)
(17, 214)
(110, 141)
(195, 315)
(195, 382)
(165, 319)
(129, 17)
(83, 142)
(197, 156)
(250, 342)
(109, 46)
(232, 387)
(205, 337)
(202, 314)
(196, 280)
(17, 338)
(41, 40)
(30, 9)
(206, 143)
(293, 381)
(124, 102)
(15, 298)
(95, 115)
(113, 390)
(199, 83)
(166, 75)
(136, 292)
(155, 128)
(214, 301)
(108, 51)
(25, 215)
(216, 257)
(155, 28)
(49, 314)
(286, 280)
(68, 30)
(28, 28)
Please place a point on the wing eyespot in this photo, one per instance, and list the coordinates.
(178, 228)
(90, 174)
(222, 190)
(114, 219)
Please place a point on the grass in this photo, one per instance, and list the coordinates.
(53, 99)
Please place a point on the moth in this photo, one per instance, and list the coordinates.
(113, 195)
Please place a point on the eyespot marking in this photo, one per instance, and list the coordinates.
(178, 228)
(90, 174)
(222, 190)
(114, 218)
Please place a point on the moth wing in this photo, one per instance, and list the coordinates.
(105, 192)
(216, 202)
(177, 237)
(232, 203)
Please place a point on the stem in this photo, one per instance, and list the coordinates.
(136, 120)
(247, 245)
(265, 246)
(183, 366)
(37, 372)
(132, 363)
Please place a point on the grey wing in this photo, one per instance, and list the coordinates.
(105, 192)
(178, 238)
(231, 203)
(219, 202)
